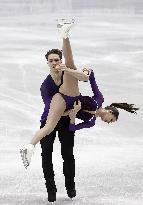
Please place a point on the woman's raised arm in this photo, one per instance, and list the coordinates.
(78, 74)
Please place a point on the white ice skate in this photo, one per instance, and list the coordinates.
(26, 154)
(64, 27)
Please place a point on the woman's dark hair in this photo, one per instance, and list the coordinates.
(54, 51)
(124, 106)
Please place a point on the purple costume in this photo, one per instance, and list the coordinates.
(69, 100)
(49, 89)
(93, 103)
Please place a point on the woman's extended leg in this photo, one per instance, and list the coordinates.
(67, 52)
(64, 27)
(57, 108)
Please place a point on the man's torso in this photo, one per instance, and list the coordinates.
(48, 90)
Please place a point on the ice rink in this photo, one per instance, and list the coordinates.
(109, 157)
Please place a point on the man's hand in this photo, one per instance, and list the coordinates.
(61, 67)
(74, 111)
(77, 106)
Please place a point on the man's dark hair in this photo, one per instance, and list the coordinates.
(54, 51)
(125, 106)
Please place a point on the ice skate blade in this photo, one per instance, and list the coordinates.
(59, 25)
(65, 21)
(23, 156)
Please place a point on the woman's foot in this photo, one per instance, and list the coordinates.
(64, 27)
(26, 154)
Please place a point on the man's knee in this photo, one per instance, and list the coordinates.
(46, 150)
(67, 154)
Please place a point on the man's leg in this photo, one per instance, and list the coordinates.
(66, 138)
(47, 165)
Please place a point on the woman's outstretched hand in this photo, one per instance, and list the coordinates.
(87, 71)
(74, 111)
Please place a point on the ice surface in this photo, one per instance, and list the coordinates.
(108, 157)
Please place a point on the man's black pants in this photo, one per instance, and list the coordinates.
(66, 139)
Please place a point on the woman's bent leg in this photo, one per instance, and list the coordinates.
(57, 108)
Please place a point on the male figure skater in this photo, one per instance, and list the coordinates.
(49, 88)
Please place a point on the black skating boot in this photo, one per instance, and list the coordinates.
(52, 196)
(70, 187)
(71, 193)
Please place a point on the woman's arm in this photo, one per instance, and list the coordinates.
(78, 74)
(98, 97)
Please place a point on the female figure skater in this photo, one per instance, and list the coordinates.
(68, 94)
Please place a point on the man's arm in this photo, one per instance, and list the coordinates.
(72, 115)
(90, 123)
